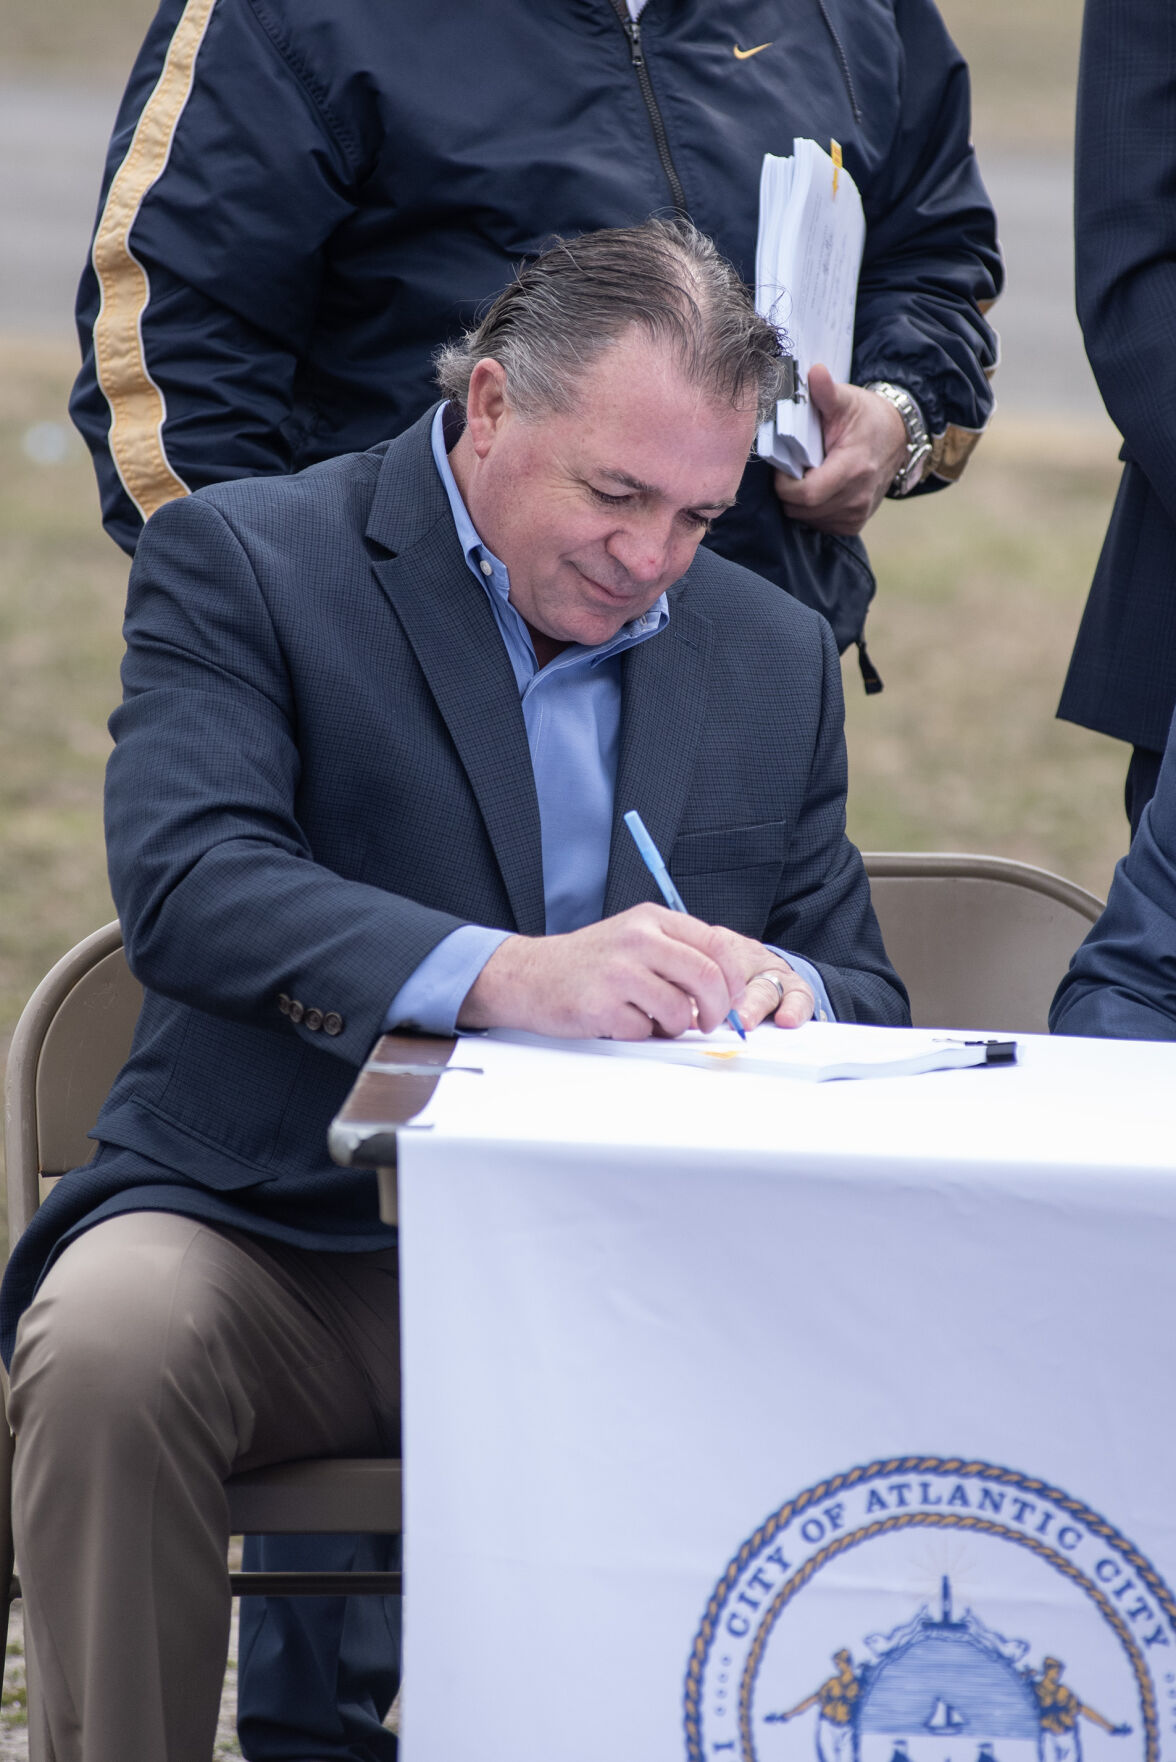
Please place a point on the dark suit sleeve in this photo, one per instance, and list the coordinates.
(1122, 981)
(931, 264)
(217, 207)
(1125, 224)
(222, 903)
(827, 916)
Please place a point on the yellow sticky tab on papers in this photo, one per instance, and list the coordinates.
(835, 156)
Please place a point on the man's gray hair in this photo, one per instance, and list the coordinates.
(582, 295)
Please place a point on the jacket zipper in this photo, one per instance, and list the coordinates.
(843, 58)
(632, 29)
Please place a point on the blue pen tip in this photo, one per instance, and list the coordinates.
(734, 1021)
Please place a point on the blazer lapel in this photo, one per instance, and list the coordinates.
(450, 626)
(664, 682)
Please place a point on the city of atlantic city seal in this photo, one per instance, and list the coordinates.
(934, 1609)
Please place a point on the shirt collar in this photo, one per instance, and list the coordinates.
(496, 578)
(467, 536)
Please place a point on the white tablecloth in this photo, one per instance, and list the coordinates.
(710, 1378)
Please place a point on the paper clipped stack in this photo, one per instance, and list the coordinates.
(808, 253)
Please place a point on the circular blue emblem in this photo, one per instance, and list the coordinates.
(931, 1609)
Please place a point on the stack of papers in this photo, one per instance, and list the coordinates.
(817, 1053)
(808, 253)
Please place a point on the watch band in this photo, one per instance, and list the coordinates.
(918, 451)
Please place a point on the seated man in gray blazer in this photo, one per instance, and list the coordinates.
(380, 723)
(1122, 981)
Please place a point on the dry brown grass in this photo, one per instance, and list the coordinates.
(95, 39)
(62, 585)
(980, 592)
(1024, 60)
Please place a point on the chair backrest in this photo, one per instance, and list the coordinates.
(980, 942)
(72, 1038)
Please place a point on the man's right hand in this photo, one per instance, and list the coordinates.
(645, 971)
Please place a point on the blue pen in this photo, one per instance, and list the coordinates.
(651, 857)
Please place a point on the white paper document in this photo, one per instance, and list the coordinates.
(817, 1053)
(808, 253)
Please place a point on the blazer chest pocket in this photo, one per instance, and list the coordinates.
(730, 848)
(732, 876)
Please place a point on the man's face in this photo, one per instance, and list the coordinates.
(596, 513)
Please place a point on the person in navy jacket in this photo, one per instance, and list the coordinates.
(1122, 675)
(304, 199)
(1122, 981)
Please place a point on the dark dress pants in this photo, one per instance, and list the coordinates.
(1142, 773)
(317, 1675)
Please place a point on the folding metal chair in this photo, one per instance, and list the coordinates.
(980, 942)
(69, 1044)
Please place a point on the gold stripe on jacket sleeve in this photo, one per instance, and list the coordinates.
(951, 450)
(137, 406)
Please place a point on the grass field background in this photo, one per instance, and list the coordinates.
(980, 589)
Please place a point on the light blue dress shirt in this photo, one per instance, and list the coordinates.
(572, 712)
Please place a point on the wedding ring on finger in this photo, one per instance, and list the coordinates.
(773, 978)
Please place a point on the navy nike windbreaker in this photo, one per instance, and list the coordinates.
(304, 198)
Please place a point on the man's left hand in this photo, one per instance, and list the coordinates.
(865, 444)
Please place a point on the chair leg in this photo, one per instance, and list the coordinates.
(40, 1744)
(7, 1446)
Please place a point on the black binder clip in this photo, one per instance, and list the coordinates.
(791, 391)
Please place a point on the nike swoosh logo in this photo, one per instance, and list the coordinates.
(746, 54)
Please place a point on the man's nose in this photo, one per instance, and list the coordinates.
(642, 551)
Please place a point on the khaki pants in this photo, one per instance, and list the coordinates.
(160, 1356)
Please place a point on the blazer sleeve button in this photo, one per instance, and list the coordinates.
(313, 1019)
(283, 1003)
(296, 1011)
(332, 1022)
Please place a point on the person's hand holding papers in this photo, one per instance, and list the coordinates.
(645, 971)
(865, 444)
(837, 447)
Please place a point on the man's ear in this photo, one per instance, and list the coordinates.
(487, 406)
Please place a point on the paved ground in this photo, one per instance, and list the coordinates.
(1044, 370)
(52, 142)
(56, 135)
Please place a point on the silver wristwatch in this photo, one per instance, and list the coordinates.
(918, 450)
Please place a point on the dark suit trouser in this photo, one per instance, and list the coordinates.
(1142, 775)
(158, 1357)
(316, 1676)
